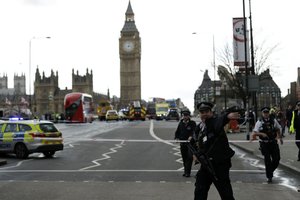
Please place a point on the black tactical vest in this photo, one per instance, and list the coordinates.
(268, 128)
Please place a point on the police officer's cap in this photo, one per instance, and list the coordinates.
(297, 102)
(204, 106)
(186, 112)
(265, 109)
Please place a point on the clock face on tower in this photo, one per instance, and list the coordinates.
(128, 46)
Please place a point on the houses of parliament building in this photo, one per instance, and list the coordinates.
(48, 97)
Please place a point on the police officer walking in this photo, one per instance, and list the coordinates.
(185, 131)
(212, 142)
(268, 130)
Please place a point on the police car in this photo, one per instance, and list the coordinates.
(30, 136)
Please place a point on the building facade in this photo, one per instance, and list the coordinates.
(19, 85)
(209, 90)
(268, 94)
(13, 100)
(49, 98)
(294, 91)
(130, 60)
(82, 83)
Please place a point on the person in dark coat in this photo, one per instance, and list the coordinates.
(213, 143)
(185, 131)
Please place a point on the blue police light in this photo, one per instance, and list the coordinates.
(15, 118)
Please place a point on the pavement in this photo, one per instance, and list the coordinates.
(288, 150)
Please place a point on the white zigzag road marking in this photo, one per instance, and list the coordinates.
(17, 165)
(252, 161)
(176, 147)
(105, 156)
(177, 153)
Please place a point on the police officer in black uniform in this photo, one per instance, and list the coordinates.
(185, 131)
(268, 130)
(212, 142)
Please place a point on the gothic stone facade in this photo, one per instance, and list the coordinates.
(49, 98)
(268, 94)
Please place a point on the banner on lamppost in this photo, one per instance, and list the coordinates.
(239, 43)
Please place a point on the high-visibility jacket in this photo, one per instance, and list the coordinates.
(292, 127)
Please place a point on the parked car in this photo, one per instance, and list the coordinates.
(30, 136)
(112, 115)
(173, 114)
(123, 114)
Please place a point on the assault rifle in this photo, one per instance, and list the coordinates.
(204, 160)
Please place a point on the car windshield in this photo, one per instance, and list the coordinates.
(162, 109)
(47, 127)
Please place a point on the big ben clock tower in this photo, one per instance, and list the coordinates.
(130, 60)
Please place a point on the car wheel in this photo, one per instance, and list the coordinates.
(21, 151)
(48, 154)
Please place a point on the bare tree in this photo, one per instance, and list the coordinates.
(227, 71)
(262, 56)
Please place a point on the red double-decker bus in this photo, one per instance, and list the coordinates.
(78, 107)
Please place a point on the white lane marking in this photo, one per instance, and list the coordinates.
(252, 161)
(17, 165)
(177, 153)
(169, 142)
(104, 156)
(173, 143)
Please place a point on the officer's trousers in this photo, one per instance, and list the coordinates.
(204, 180)
(271, 153)
(187, 158)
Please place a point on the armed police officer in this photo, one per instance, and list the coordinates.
(213, 146)
(185, 131)
(268, 130)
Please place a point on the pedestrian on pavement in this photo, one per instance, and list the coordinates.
(289, 115)
(295, 126)
(212, 143)
(185, 131)
(281, 120)
(268, 130)
(251, 119)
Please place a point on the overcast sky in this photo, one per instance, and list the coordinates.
(85, 34)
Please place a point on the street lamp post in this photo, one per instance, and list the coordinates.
(30, 41)
(225, 95)
(246, 72)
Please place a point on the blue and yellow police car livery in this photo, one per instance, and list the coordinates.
(30, 136)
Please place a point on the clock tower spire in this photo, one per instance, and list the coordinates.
(130, 60)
